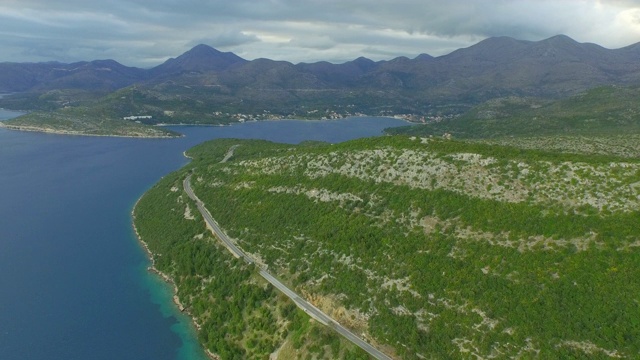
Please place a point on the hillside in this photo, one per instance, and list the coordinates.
(104, 75)
(235, 311)
(435, 248)
(598, 111)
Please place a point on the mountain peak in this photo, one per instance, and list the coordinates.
(363, 60)
(564, 48)
(201, 58)
(501, 47)
(106, 63)
(364, 64)
(560, 40)
(424, 57)
(500, 41)
(203, 50)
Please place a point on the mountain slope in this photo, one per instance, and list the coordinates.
(435, 248)
(602, 110)
(105, 75)
(495, 67)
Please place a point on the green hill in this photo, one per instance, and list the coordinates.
(84, 121)
(603, 110)
(433, 248)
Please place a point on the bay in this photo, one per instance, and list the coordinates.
(72, 275)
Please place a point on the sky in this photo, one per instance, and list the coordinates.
(145, 33)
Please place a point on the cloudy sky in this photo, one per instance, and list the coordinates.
(144, 33)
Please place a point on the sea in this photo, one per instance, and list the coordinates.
(73, 278)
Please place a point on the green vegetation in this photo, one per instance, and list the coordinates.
(50, 100)
(504, 245)
(172, 103)
(84, 121)
(624, 146)
(436, 248)
(603, 110)
(238, 315)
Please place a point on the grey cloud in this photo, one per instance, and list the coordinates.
(226, 39)
(313, 43)
(145, 33)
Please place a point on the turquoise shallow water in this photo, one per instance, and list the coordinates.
(73, 277)
(161, 294)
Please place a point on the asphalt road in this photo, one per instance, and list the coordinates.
(300, 302)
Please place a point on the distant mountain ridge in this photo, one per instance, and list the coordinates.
(105, 75)
(495, 67)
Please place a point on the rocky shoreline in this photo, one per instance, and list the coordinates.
(167, 279)
(79, 133)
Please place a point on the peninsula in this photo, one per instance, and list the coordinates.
(80, 122)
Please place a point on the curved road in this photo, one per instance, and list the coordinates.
(307, 307)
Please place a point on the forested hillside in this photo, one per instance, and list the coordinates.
(606, 110)
(437, 248)
(236, 313)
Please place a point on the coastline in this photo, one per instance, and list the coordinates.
(286, 119)
(79, 133)
(166, 278)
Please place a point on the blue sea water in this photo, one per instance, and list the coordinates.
(73, 278)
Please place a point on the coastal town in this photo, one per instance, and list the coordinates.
(310, 115)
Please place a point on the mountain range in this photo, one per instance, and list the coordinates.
(496, 67)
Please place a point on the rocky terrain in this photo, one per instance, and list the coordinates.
(473, 249)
